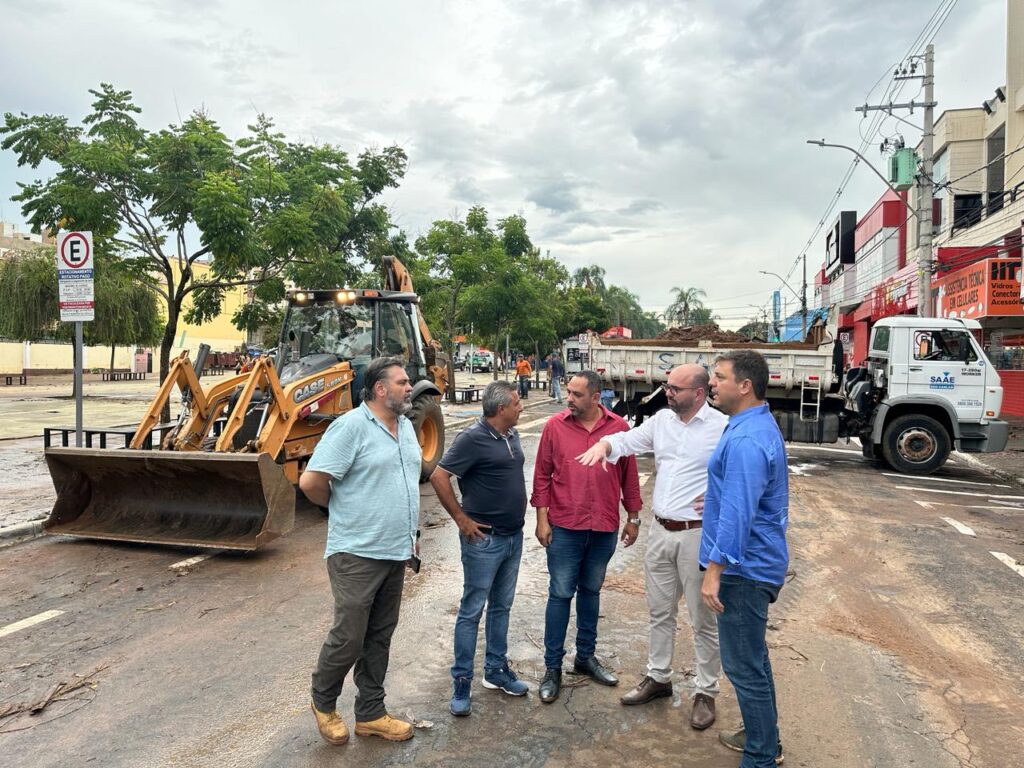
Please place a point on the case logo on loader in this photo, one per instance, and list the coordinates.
(309, 390)
(945, 381)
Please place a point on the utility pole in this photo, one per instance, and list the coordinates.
(803, 303)
(925, 186)
(925, 191)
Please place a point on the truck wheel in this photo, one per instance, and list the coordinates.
(428, 420)
(915, 445)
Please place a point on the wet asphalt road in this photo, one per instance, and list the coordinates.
(895, 643)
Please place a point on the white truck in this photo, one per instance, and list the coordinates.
(926, 388)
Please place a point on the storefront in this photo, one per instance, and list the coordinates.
(990, 292)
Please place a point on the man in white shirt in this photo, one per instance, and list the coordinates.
(683, 437)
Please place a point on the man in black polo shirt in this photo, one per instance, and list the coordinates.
(488, 461)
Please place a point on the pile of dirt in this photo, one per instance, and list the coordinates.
(694, 333)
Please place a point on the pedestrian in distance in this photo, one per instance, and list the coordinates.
(557, 373)
(683, 438)
(487, 459)
(743, 546)
(578, 523)
(523, 372)
(366, 470)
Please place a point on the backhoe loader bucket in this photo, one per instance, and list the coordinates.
(224, 501)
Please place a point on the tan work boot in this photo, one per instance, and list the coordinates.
(331, 726)
(386, 727)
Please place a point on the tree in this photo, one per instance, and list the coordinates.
(684, 302)
(591, 278)
(624, 310)
(702, 316)
(127, 312)
(266, 210)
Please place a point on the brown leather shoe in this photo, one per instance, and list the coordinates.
(703, 713)
(386, 727)
(649, 689)
(331, 726)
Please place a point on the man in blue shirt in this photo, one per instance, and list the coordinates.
(743, 546)
(366, 470)
(488, 460)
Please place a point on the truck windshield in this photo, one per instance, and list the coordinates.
(344, 330)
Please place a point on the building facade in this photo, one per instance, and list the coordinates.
(977, 229)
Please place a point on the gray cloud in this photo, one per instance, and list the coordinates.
(558, 195)
(661, 139)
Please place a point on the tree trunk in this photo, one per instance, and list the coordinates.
(536, 361)
(494, 356)
(170, 331)
(113, 348)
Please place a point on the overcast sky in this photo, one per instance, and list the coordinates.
(661, 140)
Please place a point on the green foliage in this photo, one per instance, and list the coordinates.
(127, 312)
(685, 302)
(266, 209)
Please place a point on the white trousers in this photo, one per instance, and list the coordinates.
(672, 570)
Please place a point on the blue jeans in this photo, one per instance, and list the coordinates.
(741, 630)
(490, 569)
(556, 389)
(577, 561)
(524, 386)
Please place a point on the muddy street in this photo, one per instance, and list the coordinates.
(895, 643)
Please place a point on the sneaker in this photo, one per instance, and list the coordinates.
(386, 727)
(737, 741)
(505, 679)
(460, 705)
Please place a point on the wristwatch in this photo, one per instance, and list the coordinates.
(633, 520)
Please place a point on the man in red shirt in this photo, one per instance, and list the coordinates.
(578, 522)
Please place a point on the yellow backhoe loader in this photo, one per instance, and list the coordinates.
(223, 475)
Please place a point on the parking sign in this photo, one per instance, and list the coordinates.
(75, 277)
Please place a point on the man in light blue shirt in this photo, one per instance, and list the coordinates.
(366, 470)
(743, 546)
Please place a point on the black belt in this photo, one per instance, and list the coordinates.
(678, 525)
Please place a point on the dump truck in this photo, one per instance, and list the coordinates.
(925, 388)
(224, 473)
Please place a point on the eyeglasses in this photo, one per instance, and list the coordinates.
(676, 390)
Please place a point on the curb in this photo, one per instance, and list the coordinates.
(1002, 474)
(22, 531)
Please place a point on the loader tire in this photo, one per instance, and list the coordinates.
(428, 420)
(915, 445)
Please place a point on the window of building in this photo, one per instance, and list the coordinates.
(966, 210)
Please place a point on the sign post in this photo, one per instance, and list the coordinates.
(76, 300)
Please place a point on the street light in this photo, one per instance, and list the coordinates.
(878, 173)
(802, 296)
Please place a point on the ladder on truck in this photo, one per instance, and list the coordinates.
(810, 400)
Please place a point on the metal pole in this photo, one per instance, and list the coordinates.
(803, 302)
(78, 384)
(925, 191)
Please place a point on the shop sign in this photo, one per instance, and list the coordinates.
(989, 288)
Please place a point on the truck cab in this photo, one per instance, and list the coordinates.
(934, 390)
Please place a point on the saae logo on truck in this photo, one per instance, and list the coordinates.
(945, 381)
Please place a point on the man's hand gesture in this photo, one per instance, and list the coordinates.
(596, 454)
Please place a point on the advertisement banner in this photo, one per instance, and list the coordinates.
(988, 288)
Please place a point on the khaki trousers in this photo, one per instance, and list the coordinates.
(672, 570)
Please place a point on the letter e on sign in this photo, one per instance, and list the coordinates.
(76, 250)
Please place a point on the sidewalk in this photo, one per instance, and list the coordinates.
(1008, 464)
